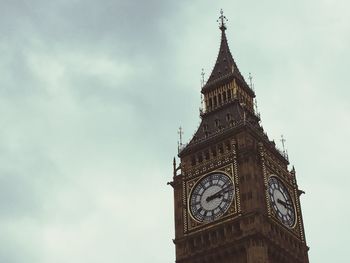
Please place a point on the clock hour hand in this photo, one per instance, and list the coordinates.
(219, 193)
(285, 204)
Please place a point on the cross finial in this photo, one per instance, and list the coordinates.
(222, 21)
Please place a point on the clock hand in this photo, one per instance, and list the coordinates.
(212, 197)
(285, 204)
(219, 193)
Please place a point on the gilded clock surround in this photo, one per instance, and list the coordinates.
(192, 223)
(272, 166)
(213, 195)
(287, 194)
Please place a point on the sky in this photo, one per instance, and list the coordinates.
(92, 94)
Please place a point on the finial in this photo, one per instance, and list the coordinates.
(285, 153)
(256, 109)
(201, 109)
(180, 132)
(293, 170)
(283, 140)
(174, 166)
(251, 81)
(222, 19)
(202, 77)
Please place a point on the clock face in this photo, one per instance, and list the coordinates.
(281, 202)
(211, 197)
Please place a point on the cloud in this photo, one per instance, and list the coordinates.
(92, 94)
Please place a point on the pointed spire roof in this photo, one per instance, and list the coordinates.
(225, 66)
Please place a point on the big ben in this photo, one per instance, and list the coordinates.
(235, 198)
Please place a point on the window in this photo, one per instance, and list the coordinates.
(229, 94)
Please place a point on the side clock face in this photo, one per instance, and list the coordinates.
(281, 202)
(211, 197)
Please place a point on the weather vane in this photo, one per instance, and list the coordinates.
(222, 20)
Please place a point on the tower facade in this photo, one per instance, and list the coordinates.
(235, 199)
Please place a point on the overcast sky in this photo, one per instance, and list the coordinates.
(92, 94)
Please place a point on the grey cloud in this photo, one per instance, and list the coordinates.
(92, 94)
(109, 25)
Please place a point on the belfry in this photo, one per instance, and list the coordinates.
(235, 199)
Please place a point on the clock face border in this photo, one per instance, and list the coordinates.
(270, 165)
(290, 193)
(231, 194)
(190, 224)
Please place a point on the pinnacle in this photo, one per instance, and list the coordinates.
(225, 64)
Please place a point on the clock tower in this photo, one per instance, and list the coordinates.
(235, 198)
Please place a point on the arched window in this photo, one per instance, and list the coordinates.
(224, 96)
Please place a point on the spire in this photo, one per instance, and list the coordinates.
(225, 65)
